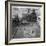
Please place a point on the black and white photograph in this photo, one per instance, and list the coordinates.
(25, 22)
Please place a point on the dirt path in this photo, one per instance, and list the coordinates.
(28, 31)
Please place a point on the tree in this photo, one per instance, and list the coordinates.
(32, 17)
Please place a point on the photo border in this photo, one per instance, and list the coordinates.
(6, 23)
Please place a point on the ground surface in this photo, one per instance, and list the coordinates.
(31, 30)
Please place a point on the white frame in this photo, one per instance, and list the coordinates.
(30, 40)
